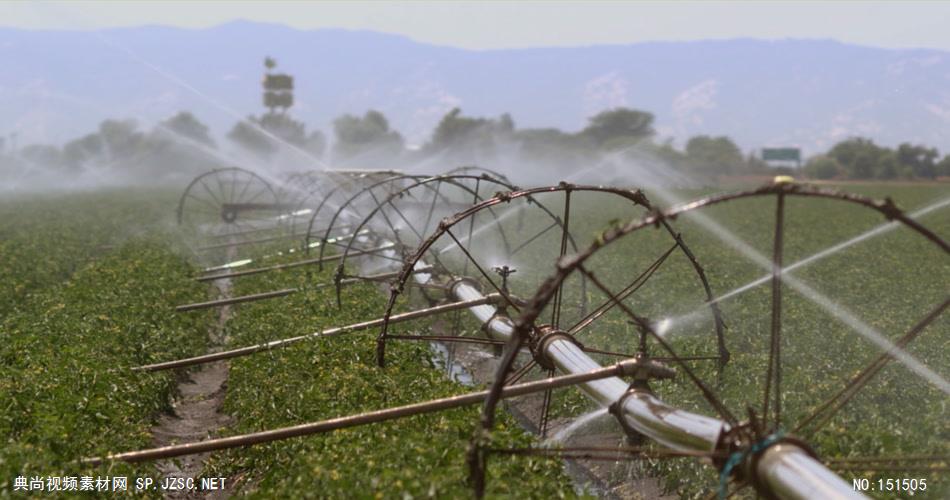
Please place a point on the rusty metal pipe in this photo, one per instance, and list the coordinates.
(236, 300)
(244, 262)
(626, 367)
(289, 265)
(331, 332)
(241, 243)
(287, 291)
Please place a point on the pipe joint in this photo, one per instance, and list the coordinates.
(454, 283)
(542, 339)
(741, 450)
(642, 369)
(634, 437)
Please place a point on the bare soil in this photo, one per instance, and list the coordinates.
(196, 413)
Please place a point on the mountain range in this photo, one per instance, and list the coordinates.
(57, 85)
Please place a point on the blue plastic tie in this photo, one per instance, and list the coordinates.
(737, 457)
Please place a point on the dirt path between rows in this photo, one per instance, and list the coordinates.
(196, 412)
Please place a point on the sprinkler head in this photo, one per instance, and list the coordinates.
(504, 271)
(783, 179)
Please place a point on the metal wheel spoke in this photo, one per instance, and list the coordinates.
(482, 271)
(545, 410)
(215, 208)
(705, 390)
(435, 197)
(774, 370)
(247, 184)
(831, 406)
(629, 290)
(531, 239)
(521, 372)
(207, 190)
(565, 228)
(221, 191)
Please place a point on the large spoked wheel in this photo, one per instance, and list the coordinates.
(403, 219)
(227, 207)
(307, 191)
(503, 247)
(793, 379)
(332, 225)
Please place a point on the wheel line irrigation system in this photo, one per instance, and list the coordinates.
(224, 209)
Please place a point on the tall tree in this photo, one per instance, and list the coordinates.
(619, 127)
(822, 167)
(186, 125)
(77, 153)
(248, 134)
(714, 154)
(121, 139)
(368, 134)
(943, 168)
(469, 136)
(920, 160)
(265, 135)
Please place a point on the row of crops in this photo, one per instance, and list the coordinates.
(94, 278)
(77, 313)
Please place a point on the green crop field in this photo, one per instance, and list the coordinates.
(90, 280)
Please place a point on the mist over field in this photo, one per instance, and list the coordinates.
(156, 104)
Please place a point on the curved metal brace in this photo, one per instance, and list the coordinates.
(312, 185)
(344, 205)
(472, 168)
(636, 197)
(303, 183)
(450, 179)
(524, 324)
(316, 213)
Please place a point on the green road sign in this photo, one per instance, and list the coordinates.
(782, 154)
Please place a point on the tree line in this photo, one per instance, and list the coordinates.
(860, 158)
(182, 143)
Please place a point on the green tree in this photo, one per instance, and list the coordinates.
(887, 166)
(822, 167)
(470, 136)
(553, 147)
(858, 157)
(78, 152)
(619, 127)
(121, 139)
(919, 159)
(263, 136)
(186, 125)
(248, 134)
(370, 133)
(714, 154)
(943, 168)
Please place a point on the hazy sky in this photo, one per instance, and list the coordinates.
(495, 24)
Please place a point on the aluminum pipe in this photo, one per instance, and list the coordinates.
(787, 470)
